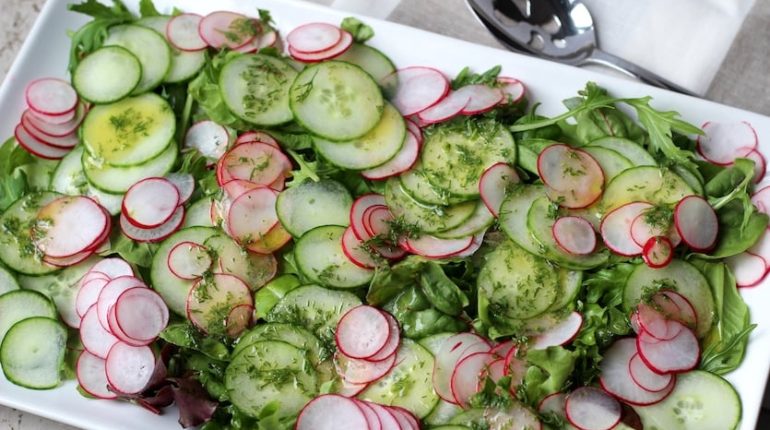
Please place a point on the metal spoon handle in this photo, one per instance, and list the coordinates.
(606, 59)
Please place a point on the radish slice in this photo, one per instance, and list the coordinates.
(69, 226)
(92, 376)
(227, 29)
(67, 261)
(154, 234)
(394, 340)
(50, 96)
(257, 136)
(387, 419)
(415, 129)
(239, 319)
(113, 268)
(275, 239)
(331, 412)
(118, 332)
(761, 199)
(182, 32)
(358, 371)
(446, 109)
(150, 202)
(515, 367)
(256, 162)
(478, 240)
(696, 222)
(55, 119)
(414, 89)
(237, 187)
(401, 162)
(433, 247)
(723, 142)
(110, 293)
(646, 377)
(749, 269)
(616, 376)
(494, 183)
(574, 235)
(467, 376)
(760, 165)
(502, 349)
(362, 332)
(345, 388)
(658, 252)
(346, 41)
(482, 98)
(68, 141)
(357, 213)
(452, 350)
(679, 354)
(95, 338)
(495, 372)
(189, 260)
(686, 315)
(314, 37)
(141, 313)
(208, 296)
(88, 294)
(590, 408)
(184, 183)
(208, 137)
(405, 418)
(377, 220)
(654, 323)
(252, 215)
(372, 419)
(616, 228)
(32, 120)
(513, 89)
(561, 334)
(642, 231)
(129, 368)
(356, 250)
(572, 177)
(37, 147)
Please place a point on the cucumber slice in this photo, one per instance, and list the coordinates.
(7, 281)
(16, 248)
(454, 156)
(434, 342)
(373, 149)
(692, 180)
(149, 47)
(199, 214)
(442, 414)
(540, 224)
(408, 384)
(680, 276)
(700, 401)
(19, 305)
(173, 289)
(271, 373)
(117, 180)
(472, 418)
(570, 282)
(429, 219)
(269, 295)
(70, 179)
(611, 162)
(372, 60)
(129, 132)
(480, 220)
(184, 64)
(416, 184)
(254, 269)
(313, 204)
(527, 159)
(296, 336)
(636, 154)
(32, 353)
(319, 256)
(107, 75)
(513, 215)
(256, 88)
(654, 185)
(336, 101)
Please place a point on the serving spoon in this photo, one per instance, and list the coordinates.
(557, 30)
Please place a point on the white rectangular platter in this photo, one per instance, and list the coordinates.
(45, 53)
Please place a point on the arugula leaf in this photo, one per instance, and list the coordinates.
(467, 77)
(593, 97)
(186, 336)
(360, 31)
(265, 17)
(549, 372)
(90, 36)
(601, 122)
(147, 8)
(13, 181)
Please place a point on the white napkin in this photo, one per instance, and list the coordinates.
(684, 41)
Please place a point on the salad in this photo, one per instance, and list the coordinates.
(279, 228)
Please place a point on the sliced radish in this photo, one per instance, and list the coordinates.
(70, 225)
(696, 222)
(314, 37)
(356, 250)
(31, 119)
(372, 419)
(760, 165)
(502, 349)
(482, 98)
(257, 136)
(495, 371)
(55, 119)
(274, 240)
(154, 234)
(679, 354)
(184, 183)
(749, 269)
(182, 32)
(110, 293)
(686, 315)
(95, 338)
(494, 184)
(377, 220)
(415, 129)
(113, 268)
(446, 109)
(68, 141)
(761, 199)
(347, 389)
(141, 313)
(574, 235)
(658, 252)
(118, 332)
(189, 260)
(515, 367)
(616, 376)
(387, 419)
(642, 231)
(252, 215)
(37, 147)
(208, 296)
(360, 206)
(512, 88)
(401, 162)
(129, 368)
(646, 377)
(406, 419)
(150, 202)
(561, 334)
(92, 376)
(467, 376)
(51, 96)
(227, 29)
(452, 350)
(256, 162)
(208, 137)
(514, 417)
(239, 319)
(88, 294)
(434, 247)
(415, 89)
(68, 261)
(590, 408)
(478, 240)
(723, 142)
(394, 339)
(331, 412)
(358, 371)
(616, 228)
(345, 42)
(655, 323)
(572, 176)
(362, 332)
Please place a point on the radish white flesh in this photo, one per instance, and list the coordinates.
(94, 274)
(387, 419)
(347, 389)
(208, 137)
(515, 367)
(129, 368)
(696, 222)
(256, 162)
(88, 294)
(760, 165)
(415, 89)
(560, 334)
(55, 130)
(68, 141)
(646, 377)
(95, 338)
(150, 202)
(667, 307)
(141, 313)
(237, 187)
(761, 199)
(574, 235)
(220, 29)
(184, 183)
(356, 250)
(679, 354)
(467, 375)
(314, 37)
(405, 418)
(50, 96)
(642, 231)
(189, 260)
(590, 408)
(572, 177)
(723, 142)
(70, 225)
(616, 228)
(362, 332)
(616, 377)
(345, 42)
(110, 293)
(686, 315)
(67, 261)
(55, 119)
(495, 371)
(372, 419)
(475, 245)
(403, 161)
(359, 371)
(502, 349)
(377, 221)
(257, 136)
(433, 247)
(239, 319)
(449, 107)
(92, 376)
(513, 89)
(415, 129)
(658, 252)
(655, 323)
(118, 332)
(357, 213)
(482, 98)
(749, 269)
(153, 234)
(452, 350)
(37, 147)
(394, 339)
(221, 291)
(113, 268)
(493, 185)
(182, 32)
(331, 412)
(252, 215)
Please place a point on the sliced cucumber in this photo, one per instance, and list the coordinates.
(513, 215)
(17, 250)
(570, 282)
(637, 155)
(679, 276)
(527, 159)
(149, 47)
(256, 88)
(434, 342)
(313, 204)
(442, 414)
(416, 184)
(7, 281)
(472, 418)
(254, 269)
(373, 149)
(269, 295)
(480, 220)
(199, 214)
(408, 384)
(690, 178)
(427, 218)
(70, 179)
(654, 185)
(611, 162)
(107, 75)
(117, 180)
(372, 60)
(296, 336)
(336, 101)
(32, 353)
(19, 305)
(184, 64)
(700, 401)
(319, 256)
(271, 373)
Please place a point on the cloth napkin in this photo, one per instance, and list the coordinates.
(684, 41)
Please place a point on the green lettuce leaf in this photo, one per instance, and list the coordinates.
(467, 77)
(13, 180)
(147, 8)
(549, 372)
(360, 31)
